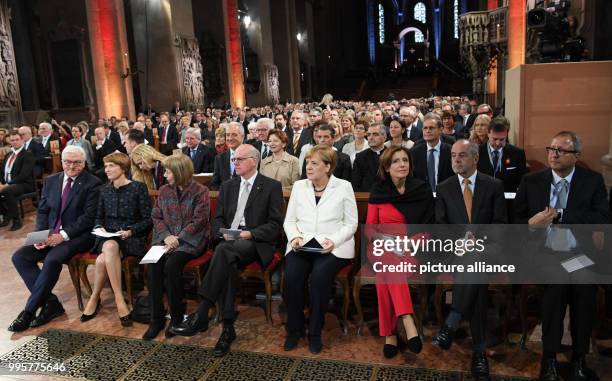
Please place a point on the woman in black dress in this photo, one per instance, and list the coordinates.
(124, 208)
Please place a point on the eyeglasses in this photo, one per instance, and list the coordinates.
(72, 163)
(240, 159)
(559, 152)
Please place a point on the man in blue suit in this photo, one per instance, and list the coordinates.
(68, 211)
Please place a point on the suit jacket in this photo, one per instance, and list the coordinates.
(365, 170)
(415, 133)
(305, 138)
(107, 148)
(343, 169)
(289, 131)
(513, 165)
(204, 158)
(419, 161)
(172, 138)
(47, 147)
(148, 135)
(488, 202)
(79, 213)
(37, 149)
(586, 201)
(263, 213)
(221, 169)
(116, 139)
(447, 139)
(470, 122)
(334, 217)
(22, 171)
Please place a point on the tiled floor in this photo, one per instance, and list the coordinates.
(254, 334)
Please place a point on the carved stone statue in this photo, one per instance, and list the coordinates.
(193, 84)
(9, 93)
(271, 84)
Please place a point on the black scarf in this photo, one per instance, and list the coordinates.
(416, 204)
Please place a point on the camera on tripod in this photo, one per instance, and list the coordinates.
(556, 31)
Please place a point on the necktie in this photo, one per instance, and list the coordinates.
(296, 141)
(496, 163)
(65, 194)
(164, 135)
(193, 153)
(561, 191)
(265, 151)
(467, 198)
(431, 169)
(11, 160)
(242, 200)
(231, 163)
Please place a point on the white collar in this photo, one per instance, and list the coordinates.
(436, 147)
(568, 178)
(250, 180)
(491, 149)
(16, 152)
(471, 178)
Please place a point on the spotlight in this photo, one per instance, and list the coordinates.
(299, 37)
(247, 21)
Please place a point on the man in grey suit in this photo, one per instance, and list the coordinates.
(470, 197)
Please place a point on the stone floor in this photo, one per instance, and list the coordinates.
(254, 334)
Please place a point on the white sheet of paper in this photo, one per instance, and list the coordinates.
(101, 233)
(577, 263)
(36, 237)
(232, 233)
(153, 255)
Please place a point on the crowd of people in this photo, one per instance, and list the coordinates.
(322, 153)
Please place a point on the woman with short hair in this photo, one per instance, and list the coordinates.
(280, 165)
(359, 143)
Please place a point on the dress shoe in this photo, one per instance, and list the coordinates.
(480, 367)
(86, 317)
(228, 335)
(126, 321)
(168, 332)
(444, 338)
(292, 340)
(390, 351)
(153, 330)
(17, 224)
(580, 371)
(315, 345)
(549, 370)
(22, 322)
(50, 311)
(191, 326)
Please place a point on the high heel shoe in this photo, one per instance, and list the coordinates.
(85, 317)
(126, 321)
(414, 344)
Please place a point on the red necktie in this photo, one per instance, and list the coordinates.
(65, 194)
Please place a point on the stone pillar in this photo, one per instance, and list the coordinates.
(10, 99)
(233, 53)
(286, 49)
(110, 58)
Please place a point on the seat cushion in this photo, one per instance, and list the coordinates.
(276, 260)
(201, 260)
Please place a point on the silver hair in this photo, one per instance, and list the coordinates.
(45, 124)
(237, 125)
(138, 125)
(194, 131)
(576, 141)
(73, 149)
(435, 117)
(473, 147)
(254, 153)
(252, 126)
(267, 121)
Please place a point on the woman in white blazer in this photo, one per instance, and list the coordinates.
(322, 213)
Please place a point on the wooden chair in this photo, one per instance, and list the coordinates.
(255, 270)
(198, 266)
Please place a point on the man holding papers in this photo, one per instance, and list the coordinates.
(68, 210)
(253, 204)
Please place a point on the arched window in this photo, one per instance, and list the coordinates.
(381, 24)
(419, 13)
(456, 18)
(418, 37)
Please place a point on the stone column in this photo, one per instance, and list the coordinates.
(233, 53)
(10, 99)
(110, 58)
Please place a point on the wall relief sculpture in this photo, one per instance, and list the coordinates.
(193, 83)
(271, 85)
(9, 90)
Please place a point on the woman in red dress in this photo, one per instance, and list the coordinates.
(396, 200)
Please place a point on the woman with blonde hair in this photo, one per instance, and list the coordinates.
(480, 130)
(123, 128)
(147, 167)
(220, 144)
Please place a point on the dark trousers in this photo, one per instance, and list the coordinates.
(168, 274)
(322, 269)
(221, 280)
(40, 282)
(8, 200)
(470, 300)
(581, 300)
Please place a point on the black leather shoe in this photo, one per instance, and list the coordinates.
(154, 330)
(480, 367)
(315, 344)
(16, 225)
(85, 317)
(580, 371)
(228, 335)
(390, 351)
(415, 345)
(50, 311)
(549, 370)
(292, 340)
(444, 338)
(22, 322)
(191, 326)
(126, 321)
(168, 333)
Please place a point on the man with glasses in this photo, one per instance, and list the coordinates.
(16, 178)
(250, 205)
(432, 156)
(68, 211)
(223, 168)
(565, 194)
(365, 166)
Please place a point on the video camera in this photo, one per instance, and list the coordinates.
(557, 42)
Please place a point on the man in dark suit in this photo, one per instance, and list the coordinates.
(280, 123)
(564, 194)
(102, 148)
(202, 156)
(168, 135)
(16, 178)
(365, 167)
(469, 197)
(409, 115)
(302, 134)
(113, 136)
(253, 204)
(68, 210)
(45, 133)
(325, 136)
(224, 168)
(35, 148)
(467, 118)
(432, 157)
(500, 159)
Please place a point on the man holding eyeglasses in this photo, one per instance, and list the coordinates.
(365, 166)
(251, 203)
(68, 210)
(564, 194)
